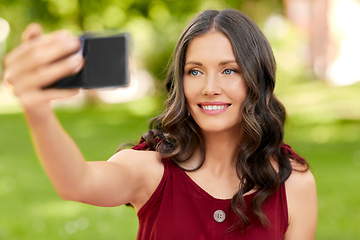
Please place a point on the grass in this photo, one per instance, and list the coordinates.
(30, 207)
(336, 167)
(324, 127)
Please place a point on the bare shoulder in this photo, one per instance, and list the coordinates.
(300, 177)
(302, 203)
(146, 169)
(135, 157)
(144, 163)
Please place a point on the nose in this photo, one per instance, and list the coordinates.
(211, 85)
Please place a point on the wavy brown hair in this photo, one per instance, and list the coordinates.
(175, 134)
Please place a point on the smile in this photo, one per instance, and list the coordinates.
(213, 107)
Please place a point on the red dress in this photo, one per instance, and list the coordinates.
(180, 210)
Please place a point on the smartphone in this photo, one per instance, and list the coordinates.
(106, 63)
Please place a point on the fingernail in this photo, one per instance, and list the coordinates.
(77, 69)
(75, 60)
(63, 35)
(68, 39)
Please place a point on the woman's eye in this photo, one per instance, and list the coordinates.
(228, 71)
(194, 72)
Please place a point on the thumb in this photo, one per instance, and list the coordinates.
(33, 30)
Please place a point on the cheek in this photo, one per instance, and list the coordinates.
(237, 90)
(187, 94)
(186, 89)
(242, 97)
(243, 89)
(191, 101)
(189, 91)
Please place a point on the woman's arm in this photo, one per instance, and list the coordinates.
(129, 176)
(39, 62)
(302, 206)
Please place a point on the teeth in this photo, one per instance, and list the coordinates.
(214, 107)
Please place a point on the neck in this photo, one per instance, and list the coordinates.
(221, 150)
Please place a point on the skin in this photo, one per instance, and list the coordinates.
(212, 77)
(207, 79)
(40, 61)
(132, 176)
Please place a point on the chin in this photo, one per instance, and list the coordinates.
(219, 129)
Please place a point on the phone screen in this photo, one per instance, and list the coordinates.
(106, 63)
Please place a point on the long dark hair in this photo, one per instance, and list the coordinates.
(175, 134)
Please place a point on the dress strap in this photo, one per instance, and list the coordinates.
(287, 149)
(142, 145)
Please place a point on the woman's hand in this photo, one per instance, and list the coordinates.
(129, 176)
(39, 61)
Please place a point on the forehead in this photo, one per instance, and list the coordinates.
(213, 44)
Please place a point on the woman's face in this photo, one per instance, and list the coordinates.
(214, 88)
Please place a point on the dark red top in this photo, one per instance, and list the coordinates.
(180, 210)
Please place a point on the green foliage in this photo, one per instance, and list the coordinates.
(154, 25)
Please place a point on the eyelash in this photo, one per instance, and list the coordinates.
(229, 69)
(190, 72)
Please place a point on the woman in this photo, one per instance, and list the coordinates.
(219, 169)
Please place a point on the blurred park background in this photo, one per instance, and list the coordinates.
(316, 46)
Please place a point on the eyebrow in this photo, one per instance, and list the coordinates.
(221, 63)
(228, 61)
(193, 62)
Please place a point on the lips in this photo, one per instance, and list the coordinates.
(214, 106)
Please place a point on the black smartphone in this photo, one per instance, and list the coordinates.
(106, 63)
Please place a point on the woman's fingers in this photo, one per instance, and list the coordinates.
(41, 52)
(33, 30)
(46, 75)
(29, 36)
(40, 61)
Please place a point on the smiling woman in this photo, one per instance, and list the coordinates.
(224, 126)
(213, 85)
(217, 166)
